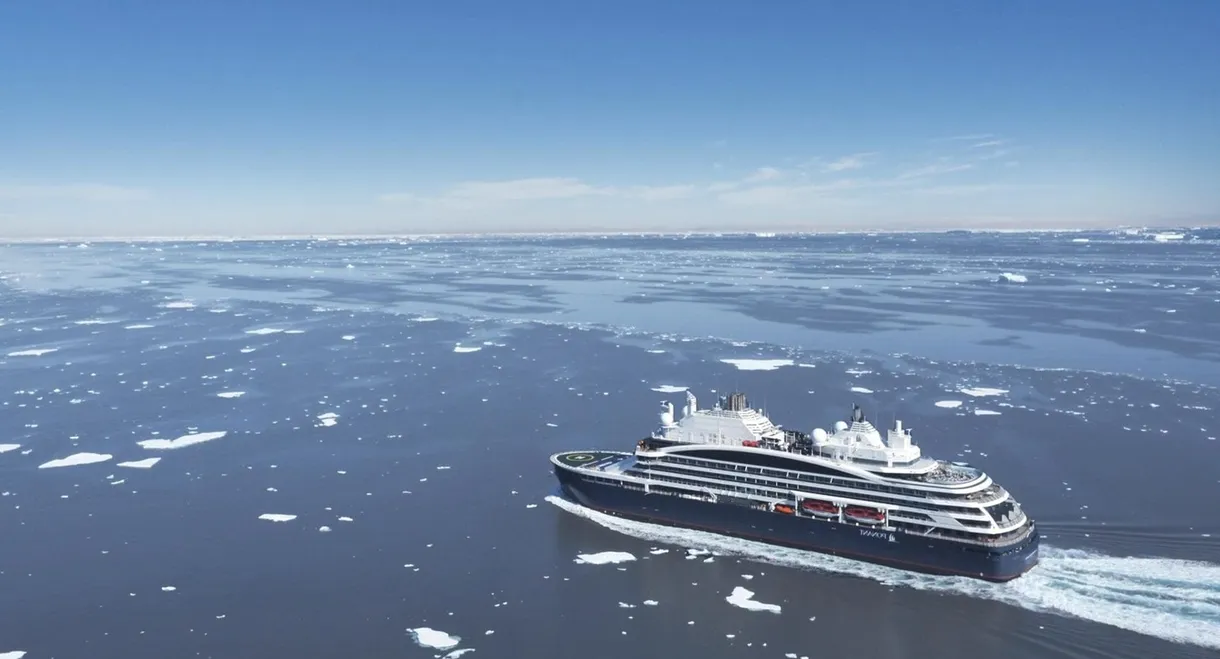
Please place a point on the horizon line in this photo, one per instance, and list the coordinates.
(762, 233)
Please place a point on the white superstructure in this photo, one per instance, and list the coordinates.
(852, 474)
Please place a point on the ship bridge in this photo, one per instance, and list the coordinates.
(731, 421)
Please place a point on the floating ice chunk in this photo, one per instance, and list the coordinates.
(651, 602)
(185, 440)
(5, 448)
(179, 304)
(658, 551)
(169, 589)
(345, 519)
(1012, 278)
(12, 654)
(277, 517)
(425, 319)
(986, 413)
(348, 337)
(146, 463)
(462, 348)
(758, 364)
(457, 653)
(294, 331)
(328, 418)
(139, 326)
(1166, 237)
(744, 598)
(231, 394)
(432, 638)
(861, 390)
(323, 529)
(669, 388)
(531, 505)
(264, 331)
(84, 458)
(605, 557)
(95, 321)
(34, 352)
(949, 404)
(983, 391)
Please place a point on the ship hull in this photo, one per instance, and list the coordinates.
(856, 541)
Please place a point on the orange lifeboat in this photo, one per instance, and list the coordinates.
(866, 515)
(820, 508)
(784, 509)
(752, 443)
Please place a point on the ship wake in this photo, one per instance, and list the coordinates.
(1174, 600)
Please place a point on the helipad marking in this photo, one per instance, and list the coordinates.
(579, 457)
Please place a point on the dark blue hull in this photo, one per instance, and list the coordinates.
(857, 541)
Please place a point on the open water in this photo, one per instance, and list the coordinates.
(338, 448)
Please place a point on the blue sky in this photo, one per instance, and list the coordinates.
(224, 117)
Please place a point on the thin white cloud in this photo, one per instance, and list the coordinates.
(763, 174)
(987, 143)
(935, 170)
(661, 192)
(74, 191)
(771, 195)
(525, 189)
(853, 161)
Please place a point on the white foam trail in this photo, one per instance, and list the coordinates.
(1174, 600)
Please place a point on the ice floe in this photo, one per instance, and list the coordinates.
(861, 390)
(432, 638)
(604, 558)
(5, 448)
(33, 352)
(277, 517)
(1012, 278)
(348, 337)
(758, 364)
(12, 654)
(462, 348)
(139, 326)
(179, 304)
(185, 440)
(328, 419)
(949, 404)
(263, 331)
(986, 413)
(669, 388)
(146, 463)
(744, 598)
(231, 394)
(83, 458)
(982, 391)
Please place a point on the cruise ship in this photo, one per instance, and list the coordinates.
(849, 492)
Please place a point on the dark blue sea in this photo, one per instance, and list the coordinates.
(339, 448)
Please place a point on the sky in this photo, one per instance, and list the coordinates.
(226, 118)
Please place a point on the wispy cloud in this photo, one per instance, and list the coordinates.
(935, 169)
(74, 191)
(762, 174)
(854, 161)
(794, 186)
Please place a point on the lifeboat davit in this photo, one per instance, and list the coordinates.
(866, 515)
(820, 508)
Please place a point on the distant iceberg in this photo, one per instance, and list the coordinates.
(1011, 278)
